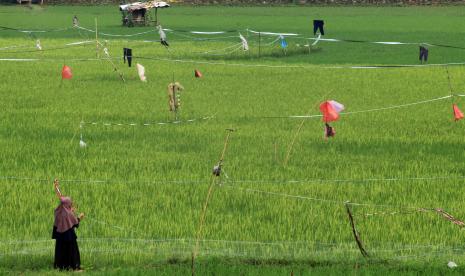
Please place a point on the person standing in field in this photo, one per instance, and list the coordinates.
(67, 255)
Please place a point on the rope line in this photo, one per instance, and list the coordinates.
(369, 110)
(252, 65)
(284, 34)
(324, 200)
(222, 49)
(298, 66)
(34, 31)
(147, 124)
(66, 46)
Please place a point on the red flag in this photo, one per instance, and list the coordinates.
(457, 113)
(329, 113)
(197, 73)
(66, 72)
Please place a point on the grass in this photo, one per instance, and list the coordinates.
(146, 214)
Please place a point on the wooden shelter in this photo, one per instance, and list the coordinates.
(139, 13)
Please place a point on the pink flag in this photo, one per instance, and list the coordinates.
(66, 72)
(331, 110)
(457, 113)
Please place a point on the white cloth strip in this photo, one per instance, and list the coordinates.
(19, 59)
(392, 43)
(327, 39)
(26, 31)
(376, 109)
(270, 33)
(79, 43)
(85, 29)
(207, 33)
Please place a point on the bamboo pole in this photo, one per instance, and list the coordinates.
(451, 91)
(354, 231)
(205, 206)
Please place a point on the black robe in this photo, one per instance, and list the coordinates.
(66, 249)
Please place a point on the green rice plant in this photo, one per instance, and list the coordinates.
(143, 187)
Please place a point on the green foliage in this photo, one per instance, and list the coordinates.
(148, 211)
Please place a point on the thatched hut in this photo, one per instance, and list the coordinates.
(138, 13)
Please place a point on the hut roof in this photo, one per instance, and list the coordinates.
(143, 5)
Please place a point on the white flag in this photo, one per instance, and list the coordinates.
(316, 40)
(337, 106)
(141, 71)
(161, 33)
(245, 45)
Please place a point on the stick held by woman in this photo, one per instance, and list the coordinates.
(67, 255)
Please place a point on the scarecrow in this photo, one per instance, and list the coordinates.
(330, 111)
(174, 99)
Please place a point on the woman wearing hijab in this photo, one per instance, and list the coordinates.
(66, 247)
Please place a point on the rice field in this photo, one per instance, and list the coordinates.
(279, 205)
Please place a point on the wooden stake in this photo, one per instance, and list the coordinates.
(450, 89)
(205, 206)
(354, 231)
(156, 16)
(175, 100)
(450, 85)
(291, 145)
(450, 217)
